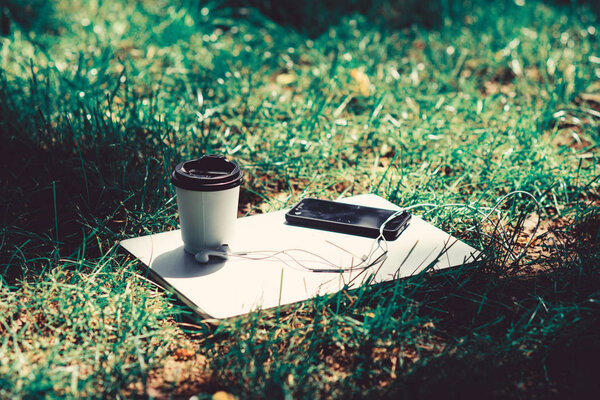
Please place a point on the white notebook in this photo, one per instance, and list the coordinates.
(262, 280)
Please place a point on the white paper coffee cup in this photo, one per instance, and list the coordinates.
(207, 191)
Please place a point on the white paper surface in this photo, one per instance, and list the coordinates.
(223, 289)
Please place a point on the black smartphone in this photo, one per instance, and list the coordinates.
(347, 218)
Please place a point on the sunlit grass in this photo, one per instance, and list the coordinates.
(492, 98)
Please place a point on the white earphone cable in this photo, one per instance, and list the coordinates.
(380, 242)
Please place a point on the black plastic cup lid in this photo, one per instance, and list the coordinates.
(209, 173)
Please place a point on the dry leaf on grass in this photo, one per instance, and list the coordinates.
(362, 84)
(221, 395)
(285, 79)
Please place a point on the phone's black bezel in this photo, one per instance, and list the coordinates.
(352, 229)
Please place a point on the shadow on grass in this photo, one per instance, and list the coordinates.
(314, 17)
(460, 333)
(75, 181)
(520, 335)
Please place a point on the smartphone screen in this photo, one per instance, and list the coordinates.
(346, 218)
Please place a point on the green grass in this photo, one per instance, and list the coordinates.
(99, 100)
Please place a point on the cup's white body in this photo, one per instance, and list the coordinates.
(207, 219)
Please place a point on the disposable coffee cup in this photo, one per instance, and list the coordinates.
(208, 191)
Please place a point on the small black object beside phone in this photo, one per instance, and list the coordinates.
(347, 218)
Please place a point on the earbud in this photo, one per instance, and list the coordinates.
(221, 252)
(204, 256)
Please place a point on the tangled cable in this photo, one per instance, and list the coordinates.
(499, 226)
(378, 251)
